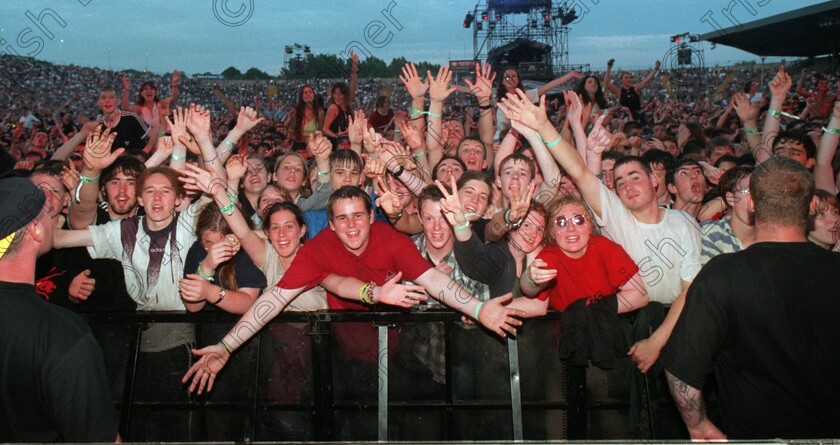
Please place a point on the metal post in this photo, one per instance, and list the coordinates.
(515, 392)
(383, 383)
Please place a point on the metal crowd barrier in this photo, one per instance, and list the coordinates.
(341, 376)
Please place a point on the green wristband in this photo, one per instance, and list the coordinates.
(478, 310)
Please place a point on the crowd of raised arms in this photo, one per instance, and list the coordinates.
(480, 195)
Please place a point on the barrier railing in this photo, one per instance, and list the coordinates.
(340, 376)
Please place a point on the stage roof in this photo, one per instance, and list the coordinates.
(806, 32)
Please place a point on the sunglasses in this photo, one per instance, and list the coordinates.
(562, 222)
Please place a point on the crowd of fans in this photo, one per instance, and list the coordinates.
(607, 199)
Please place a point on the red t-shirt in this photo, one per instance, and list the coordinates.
(601, 271)
(387, 253)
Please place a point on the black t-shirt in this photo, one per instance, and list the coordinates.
(55, 270)
(131, 132)
(53, 385)
(248, 275)
(764, 321)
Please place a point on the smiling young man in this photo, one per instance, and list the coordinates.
(356, 247)
(130, 127)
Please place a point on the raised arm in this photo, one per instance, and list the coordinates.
(748, 115)
(482, 89)
(354, 78)
(779, 87)
(518, 107)
(608, 79)
(96, 157)
(559, 81)
(417, 90)
(439, 90)
(800, 86)
(195, 178)
(70, 144)
(174, 87)
(126, 83)
(247, 119)
(641, 86)
(823, 172)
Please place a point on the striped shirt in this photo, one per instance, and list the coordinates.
(718, 238)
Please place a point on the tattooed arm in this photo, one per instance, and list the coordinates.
(689, 400)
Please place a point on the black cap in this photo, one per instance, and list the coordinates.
(20, 202)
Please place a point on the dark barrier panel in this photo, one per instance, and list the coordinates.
(321, 377)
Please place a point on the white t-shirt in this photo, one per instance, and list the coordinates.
(150, 294)
(667, 252)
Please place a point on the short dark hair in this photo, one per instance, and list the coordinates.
(659, 158)
(731, 180)
(447, 157)
(629, 159)
(719, 141)
(348, 192)
(518, 157)
(782, 189)
(682, 162)
(797, 136)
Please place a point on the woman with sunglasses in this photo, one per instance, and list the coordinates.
(579, 264)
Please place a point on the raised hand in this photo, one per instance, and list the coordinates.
(494, 315)
(373, 141)
(451, 206)
(526, 132)
(203, 373)
(746, 110)
(392, 150)
(374, 168)
(397, 294)
(248, 118)
(357, 128)
(70, 177)
(482, 89)
(574, 107)
(519, 107)
(599, 138)
(236, 167)
(780, 85)
(388, 201)
(98, 154)
(319, 146)
(200, 180)
(198, 122)
(412, 136)
(178, 124)
(439, 88)
(411, 80)
(520, 202)
(126, 81)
